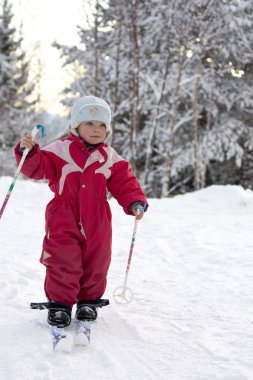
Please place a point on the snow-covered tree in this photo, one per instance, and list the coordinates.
(14, 85)
(178, 77)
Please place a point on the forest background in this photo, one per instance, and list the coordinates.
(177, 74)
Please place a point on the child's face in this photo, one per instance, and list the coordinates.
(93, 132)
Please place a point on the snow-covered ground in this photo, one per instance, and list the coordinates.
(192, 276)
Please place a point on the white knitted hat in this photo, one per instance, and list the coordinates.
(90, 108)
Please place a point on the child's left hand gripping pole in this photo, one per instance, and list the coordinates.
(25, 152)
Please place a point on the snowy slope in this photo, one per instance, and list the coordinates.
(191, 274)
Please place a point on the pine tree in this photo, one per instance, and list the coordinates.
(14, 86)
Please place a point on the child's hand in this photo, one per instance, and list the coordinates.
(138, 211)
(27, 142)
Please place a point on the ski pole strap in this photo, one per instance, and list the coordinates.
(143, 208)
(36, 130)
(39, 126)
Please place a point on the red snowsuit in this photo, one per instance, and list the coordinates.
(77, 244)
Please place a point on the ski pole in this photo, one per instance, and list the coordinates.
(123, 294)
(25, 152)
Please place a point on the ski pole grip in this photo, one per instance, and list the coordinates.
(33, 134)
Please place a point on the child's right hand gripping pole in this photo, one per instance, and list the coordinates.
(33, 134)
(25, 152)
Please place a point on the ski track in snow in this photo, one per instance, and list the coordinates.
(191, 274)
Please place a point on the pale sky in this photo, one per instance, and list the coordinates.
(43, 22)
